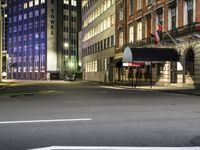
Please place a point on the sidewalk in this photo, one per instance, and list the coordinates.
(189, 90)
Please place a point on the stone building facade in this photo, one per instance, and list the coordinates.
(137, 20)
(97, 45)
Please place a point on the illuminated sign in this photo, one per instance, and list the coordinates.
(52, 19)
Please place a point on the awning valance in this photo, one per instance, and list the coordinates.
(149, 54)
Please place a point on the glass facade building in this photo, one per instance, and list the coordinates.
(41, 44)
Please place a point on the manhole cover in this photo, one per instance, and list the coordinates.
(196, 141)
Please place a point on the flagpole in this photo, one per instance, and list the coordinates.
(154, 4)
(171, 37)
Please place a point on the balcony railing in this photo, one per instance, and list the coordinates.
(176, 33)
(187, 29)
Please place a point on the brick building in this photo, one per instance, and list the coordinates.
(136, 20)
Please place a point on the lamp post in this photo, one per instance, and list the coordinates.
(0, 43)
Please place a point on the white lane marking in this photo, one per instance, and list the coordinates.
(111, 87)
(45, 121)
(115, 148)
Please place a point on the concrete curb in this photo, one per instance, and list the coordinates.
(185, 93)
(4, 87)
(173, 90)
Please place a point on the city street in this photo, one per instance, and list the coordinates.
(42, 114)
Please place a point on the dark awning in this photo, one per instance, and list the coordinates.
(149, 54)
(116, 63)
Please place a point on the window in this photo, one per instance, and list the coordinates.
(112, 40)
(25, 5)
(139, 4)
(42, 11)
(121, 12)
(31, 4)
(131, 7)
(112, 20)
(20, 17)
(30, 14)
(189, 62)
(36, 12)
(173, 18)
(139, 30)
(160, 16)
(73, 2)
(36, 2)
(148, 26)
(148, 2)
(66, 1)
(121, 38)
(131, 34)
(108, 42)
(190, 11)
(42, 1)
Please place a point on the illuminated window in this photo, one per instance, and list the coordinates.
(131, 34)
(42, 1)
(66, 1)
(25, 5)
(73, 2)
(121, 39)
(31, 4)
(139, 4)
(139, 30)
(36, 2)
(121, 12)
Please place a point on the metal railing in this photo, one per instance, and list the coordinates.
(164, 38)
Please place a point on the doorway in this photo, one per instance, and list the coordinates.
(189, 62)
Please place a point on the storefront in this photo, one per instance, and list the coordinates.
(147, 66)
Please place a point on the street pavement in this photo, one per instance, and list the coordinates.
(86, 114)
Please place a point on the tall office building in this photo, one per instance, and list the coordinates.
(4, 24)
(98, 39)
(42, 38)
(4, 34)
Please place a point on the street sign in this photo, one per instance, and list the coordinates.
(147, 63)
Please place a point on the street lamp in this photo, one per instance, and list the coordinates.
(66, 45)
(0, 44)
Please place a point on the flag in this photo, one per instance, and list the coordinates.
(160, 27)
(156, 38)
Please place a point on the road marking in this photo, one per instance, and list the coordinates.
(45, 121)
(115, 148)
(112, 87)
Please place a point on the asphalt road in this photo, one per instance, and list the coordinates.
(106, 116)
